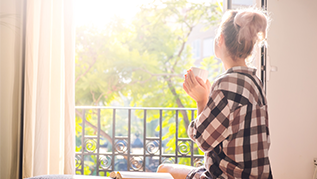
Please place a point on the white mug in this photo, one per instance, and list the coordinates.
(203, 74)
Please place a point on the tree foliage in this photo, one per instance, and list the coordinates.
(144, 60)
(141, 63)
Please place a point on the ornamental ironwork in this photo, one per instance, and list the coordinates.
(121, 149)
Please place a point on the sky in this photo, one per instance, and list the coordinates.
(99, 12)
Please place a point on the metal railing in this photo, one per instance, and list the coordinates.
(119, 138)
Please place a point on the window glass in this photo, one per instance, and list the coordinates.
(242, 3)
(208, 47)
(196, 48)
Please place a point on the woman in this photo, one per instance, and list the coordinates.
(232, 123)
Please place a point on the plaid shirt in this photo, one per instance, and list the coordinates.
(232, 130)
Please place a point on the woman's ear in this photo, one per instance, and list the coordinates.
(219, 45)
(220, 40)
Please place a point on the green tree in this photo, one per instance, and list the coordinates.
(141, 63)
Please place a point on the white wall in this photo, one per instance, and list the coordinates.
(292, 91)
(10, 77)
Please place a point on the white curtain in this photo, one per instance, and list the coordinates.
(49, 127)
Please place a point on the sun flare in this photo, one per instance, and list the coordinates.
(99, 12)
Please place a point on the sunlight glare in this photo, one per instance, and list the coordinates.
(99, 12)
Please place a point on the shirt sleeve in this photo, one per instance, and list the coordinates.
(211, 126)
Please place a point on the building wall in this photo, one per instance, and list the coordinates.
(199, 34)
(292, 91)
(10, 80)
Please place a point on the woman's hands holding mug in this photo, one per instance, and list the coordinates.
(196, 88)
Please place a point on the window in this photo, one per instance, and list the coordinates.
(236, 4)
(208, 47)
(131, 111)
(196, 49)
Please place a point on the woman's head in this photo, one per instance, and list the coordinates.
(242, 30)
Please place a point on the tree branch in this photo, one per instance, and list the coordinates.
(102, 133)
(162, 74)
(87, 70)
(93, 95)
(182, 49)
(178, 101)
(99, 97)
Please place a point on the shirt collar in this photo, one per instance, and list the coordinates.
(242, 69)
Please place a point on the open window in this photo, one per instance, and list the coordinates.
(131, 111)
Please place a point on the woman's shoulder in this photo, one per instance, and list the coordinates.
(227, 82)
(230, 81)
(239, 84)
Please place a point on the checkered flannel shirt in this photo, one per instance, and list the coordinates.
(232, 129)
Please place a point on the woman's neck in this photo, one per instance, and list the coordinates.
(229, 62)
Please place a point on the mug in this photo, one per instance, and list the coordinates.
(203, 74)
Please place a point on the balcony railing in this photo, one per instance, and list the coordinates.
(132, 139)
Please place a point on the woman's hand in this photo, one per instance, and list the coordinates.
(196, 88)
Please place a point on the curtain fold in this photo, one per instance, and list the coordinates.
(49, 126)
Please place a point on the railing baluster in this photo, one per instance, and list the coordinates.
(83, 142)
(192, 145)
(160, 135)
(98, 143)
(176, 141)
(129, 139)
(113, 137)
(144, 140)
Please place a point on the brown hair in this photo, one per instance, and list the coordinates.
(242, 30)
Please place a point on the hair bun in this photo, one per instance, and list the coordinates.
(251, 25)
